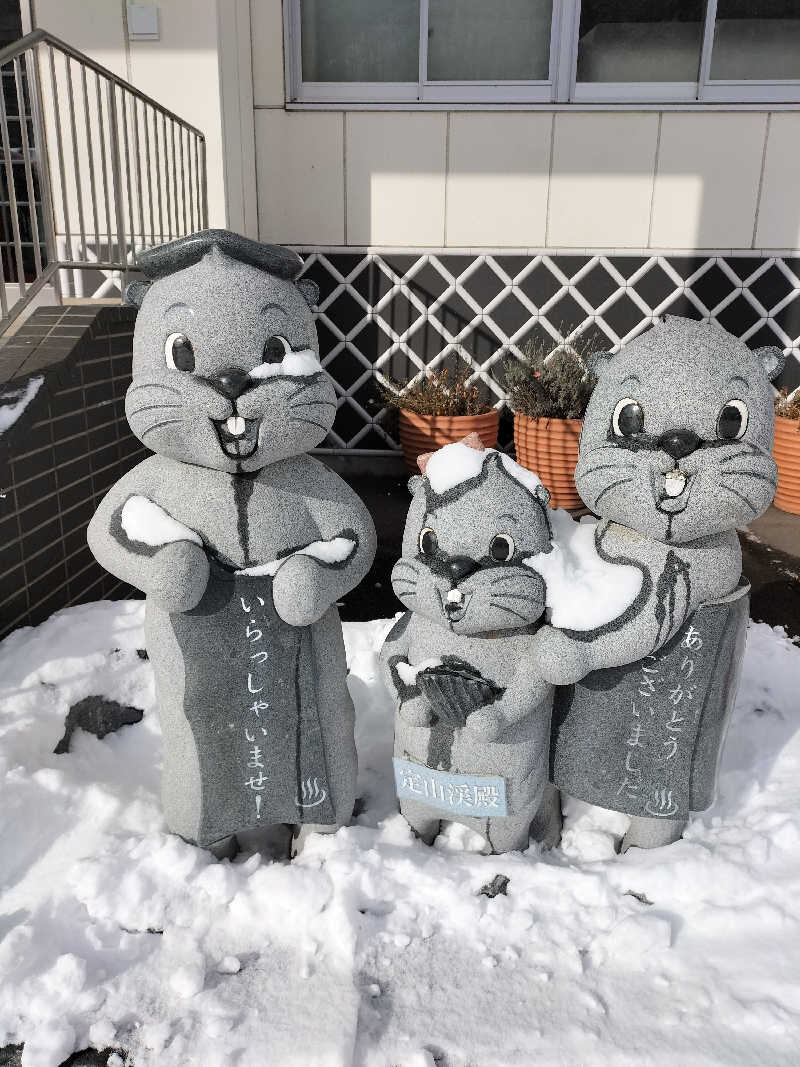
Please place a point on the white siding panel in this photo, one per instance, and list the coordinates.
(395, 178)
(497, 179)
(266, 28)
(779, 209)
(602, 179)
(299, 177)
(707, 181)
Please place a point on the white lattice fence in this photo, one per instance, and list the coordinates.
(396, 315)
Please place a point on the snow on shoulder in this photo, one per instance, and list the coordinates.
(583, 590)
(149, 524)
(463, 460)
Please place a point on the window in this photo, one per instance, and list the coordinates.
(542, 51)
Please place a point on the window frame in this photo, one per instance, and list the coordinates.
(560, 89)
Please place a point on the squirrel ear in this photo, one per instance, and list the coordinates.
(135, 293)
(310, 290)
(773, 360)
(543, 494)
(414, 483)
(597, 361)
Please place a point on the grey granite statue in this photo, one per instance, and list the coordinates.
(473, 714)
(675, 454)
(242, 543)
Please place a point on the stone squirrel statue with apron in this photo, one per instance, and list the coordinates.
(241, 542)
(675, 453)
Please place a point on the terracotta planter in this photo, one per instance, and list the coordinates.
(787, 455)
(549, 448)
(426, 433)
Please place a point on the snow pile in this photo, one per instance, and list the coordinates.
(583, 590)
(300, 364)
(148, 523)
(456, 463)
(371, 948)
(13, 403)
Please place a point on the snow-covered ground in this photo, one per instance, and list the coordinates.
(372, 948)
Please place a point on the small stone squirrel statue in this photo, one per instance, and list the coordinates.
(675, 453)
(241, 542)
(473, 713)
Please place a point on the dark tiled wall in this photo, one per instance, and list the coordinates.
(61, 456)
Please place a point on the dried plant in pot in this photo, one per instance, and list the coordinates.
(438, 408)
(786, 451)
(548, 391)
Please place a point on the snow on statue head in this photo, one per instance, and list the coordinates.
(242, 543)
(677, 437)
(476, 514)
(226, 370)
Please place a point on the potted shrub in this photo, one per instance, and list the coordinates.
(436, 409)
(548, 391)
(787, 451)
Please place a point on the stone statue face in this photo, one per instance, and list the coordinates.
(462, 554)
(226, 368)
(677, 437)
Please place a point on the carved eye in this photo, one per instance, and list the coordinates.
(179, 352)
(428, 542)
(732, 421)
(502, 548)
(275, 348)
(628, 418)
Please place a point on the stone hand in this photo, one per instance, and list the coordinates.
(486, 723)
(559, 659)
(416, 711)
(178, 576)
(300, 591)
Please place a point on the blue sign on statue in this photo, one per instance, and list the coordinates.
(460, 794)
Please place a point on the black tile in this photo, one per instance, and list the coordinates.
(40, 588)
(713, 287)
(121, 345)
(596, 286)
(95, 370)
(512, 265)
(426, 341)
(789, 318)
(74, 494)
(104, 434)
(372, 341)
(97, 394)
(345, 312)
(623, 315)
(539, 286)
(348, 422)
(72, 470)
(537, 339)
(11, 610)
(427, 284)
(681, 305)
(738, 316)
(570, 264)
(510, 315)
(400, 264)
(345, 368)
(482, 342)
(344, 262)
(566, 314)
(654, 286)
(483, 285)
(327, 339)
(789, 378)
(399, 313)
(455, 314)
(456, 265)
(771, 287)
(36, 488)
(685, 266)
(41, 539)
(372, 283)
(627, 265)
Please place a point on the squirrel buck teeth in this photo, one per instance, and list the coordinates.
(235, 425)
(674, 483)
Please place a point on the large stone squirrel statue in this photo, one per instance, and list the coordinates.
(675, 453)
(241, 542)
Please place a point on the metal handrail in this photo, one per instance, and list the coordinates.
(92, 172)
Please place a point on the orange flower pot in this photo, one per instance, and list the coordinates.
(549, 448)
(426, 433)
(787, 455)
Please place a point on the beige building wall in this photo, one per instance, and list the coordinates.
(181, 70)
(524, 180)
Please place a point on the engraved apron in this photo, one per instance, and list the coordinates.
(645, 738)
(251, 703)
